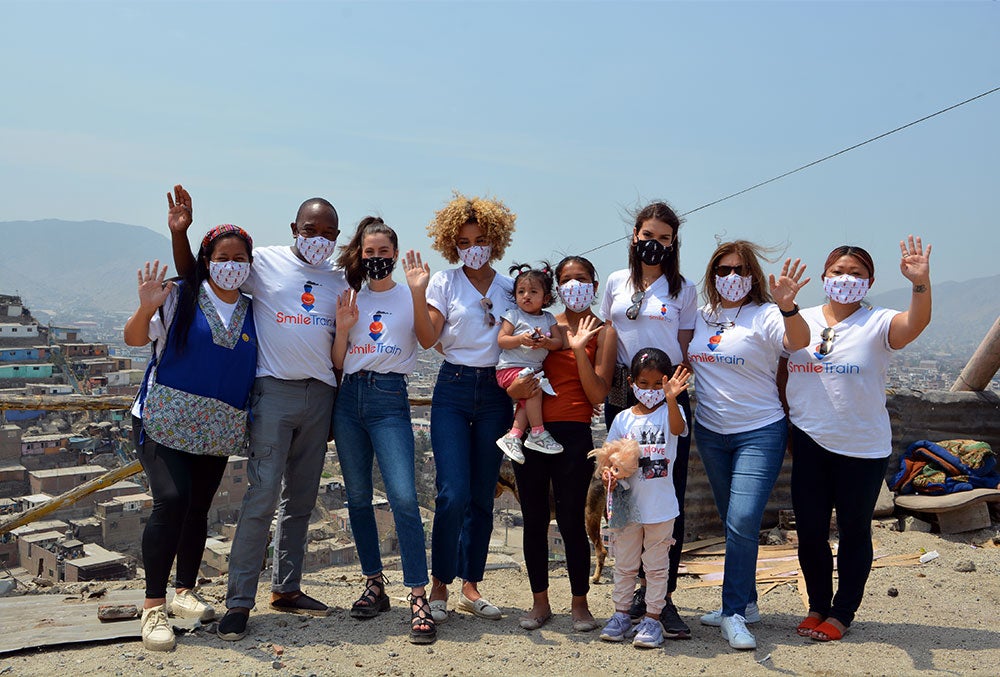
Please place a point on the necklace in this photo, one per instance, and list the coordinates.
(720, 327)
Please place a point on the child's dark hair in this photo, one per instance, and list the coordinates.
(350, 254)
(543, 276)
(650, 358)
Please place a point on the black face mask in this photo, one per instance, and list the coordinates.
(650, 252)
(378, 267)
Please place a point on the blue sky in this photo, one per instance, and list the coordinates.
(570, 112)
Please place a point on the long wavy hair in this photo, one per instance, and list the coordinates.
(350, 254)
(750, 255)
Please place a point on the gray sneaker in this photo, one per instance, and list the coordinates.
(543, 442)
(511, 448)
(618, 628)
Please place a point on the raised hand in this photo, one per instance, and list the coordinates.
(347, 310)
(585, 331)
(676, 384)
(915, 264)
(179, 214)
(154, 288)
(784, 289)
(418, 273)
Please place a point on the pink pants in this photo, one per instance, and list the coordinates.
(650, 545)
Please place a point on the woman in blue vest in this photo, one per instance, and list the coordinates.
(191, 413)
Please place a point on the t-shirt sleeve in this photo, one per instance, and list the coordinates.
(616, 431)
(689, 307)
(686, 431)
(772, 325)
(884, 322)
(607, 300)
(438, 293)
(510, 316)
(157, 325)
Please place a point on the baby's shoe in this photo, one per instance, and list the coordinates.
(511, 448)
(543, 442)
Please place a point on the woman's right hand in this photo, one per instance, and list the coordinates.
(418, 273)
(347, 310)
(179, 214)
(154, 288)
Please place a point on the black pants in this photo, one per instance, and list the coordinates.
(822, 481)
(183, 486)
(680, 480)
(569, 475)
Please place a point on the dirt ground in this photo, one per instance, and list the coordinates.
(944, 619)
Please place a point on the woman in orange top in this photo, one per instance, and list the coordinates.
(581, 376)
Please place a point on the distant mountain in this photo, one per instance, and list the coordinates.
(72, 268)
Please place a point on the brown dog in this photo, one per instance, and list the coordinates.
(594, 511)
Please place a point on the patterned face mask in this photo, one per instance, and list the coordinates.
(315, 250)
(476, 256)
(650, 252)
(845, 288)
(378, 267)
(733, 287)
(229, 274)
(577, 296)
(649, 398)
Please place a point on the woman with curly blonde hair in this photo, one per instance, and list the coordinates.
(457, 310)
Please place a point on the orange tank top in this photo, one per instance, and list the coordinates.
(570, 402)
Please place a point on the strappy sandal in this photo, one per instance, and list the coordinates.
(373, 600)
(421, 616)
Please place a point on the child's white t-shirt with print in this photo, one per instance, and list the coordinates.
(652, 484)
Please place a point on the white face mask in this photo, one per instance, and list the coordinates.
(476, 256)
(229, 274)
(577, 296)
(845, 288)
(649, 398)
(315, 249)
(733, 287)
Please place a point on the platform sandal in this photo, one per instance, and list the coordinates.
(421, 616)
(373, 600)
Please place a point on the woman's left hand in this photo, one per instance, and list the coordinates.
(915, 264)
(585, 331)
(784, 289)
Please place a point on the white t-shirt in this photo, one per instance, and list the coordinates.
(660, 317)
(652, 484)
(736, 369)
(523, 356)
(295, 311)
(158, 327)
(839, 398)
(467, 339)
(383, 338)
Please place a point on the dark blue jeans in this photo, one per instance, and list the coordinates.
(469, 411)
(372, 419)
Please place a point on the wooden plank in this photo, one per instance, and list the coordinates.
(704, 543)
(50, 620)
(769, 588)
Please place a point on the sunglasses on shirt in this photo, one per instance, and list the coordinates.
(826, 345)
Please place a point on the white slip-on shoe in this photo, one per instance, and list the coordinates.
(481, 607)
(734, 630)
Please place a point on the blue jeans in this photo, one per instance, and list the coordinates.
(742, 469)
(372, 419)
(469, 411)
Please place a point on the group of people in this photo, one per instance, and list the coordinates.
(324, 347)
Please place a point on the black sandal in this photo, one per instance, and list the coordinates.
(421, 616)
(373, 600)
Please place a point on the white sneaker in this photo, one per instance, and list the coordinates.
(511, 448)
(190, 604)
(715, 618)
(157, 634)
(734, 629)
(543, 442)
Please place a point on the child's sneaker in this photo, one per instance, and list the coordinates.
(543, 442)
(619, 626)
(157, 633)
(648, 634)
(511, 448)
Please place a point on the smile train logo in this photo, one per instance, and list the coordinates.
(308, 299)
(375, 329)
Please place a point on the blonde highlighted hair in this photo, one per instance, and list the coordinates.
(750, 255)
(490, 214)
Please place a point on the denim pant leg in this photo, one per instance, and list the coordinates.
(356, 455)
(742, 469)
(270, 437)
(389, 426)
(301, 485)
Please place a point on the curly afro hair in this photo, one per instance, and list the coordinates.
(490, 214)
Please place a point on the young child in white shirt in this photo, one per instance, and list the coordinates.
(655, 423)
(527, 334)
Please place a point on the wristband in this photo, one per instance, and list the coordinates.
(790, 313)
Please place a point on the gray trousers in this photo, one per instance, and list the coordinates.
(291, 421)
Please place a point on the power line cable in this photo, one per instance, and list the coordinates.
(814, 162)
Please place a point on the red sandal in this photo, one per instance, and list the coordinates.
(830, 630)
(808, 624)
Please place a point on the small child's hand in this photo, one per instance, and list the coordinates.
(530, 340)
(676, 384)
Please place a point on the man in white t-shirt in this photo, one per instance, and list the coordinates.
(295, 290)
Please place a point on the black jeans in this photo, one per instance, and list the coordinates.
(183, 486)
(822, 481)
(569, 474)
(680, 479)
